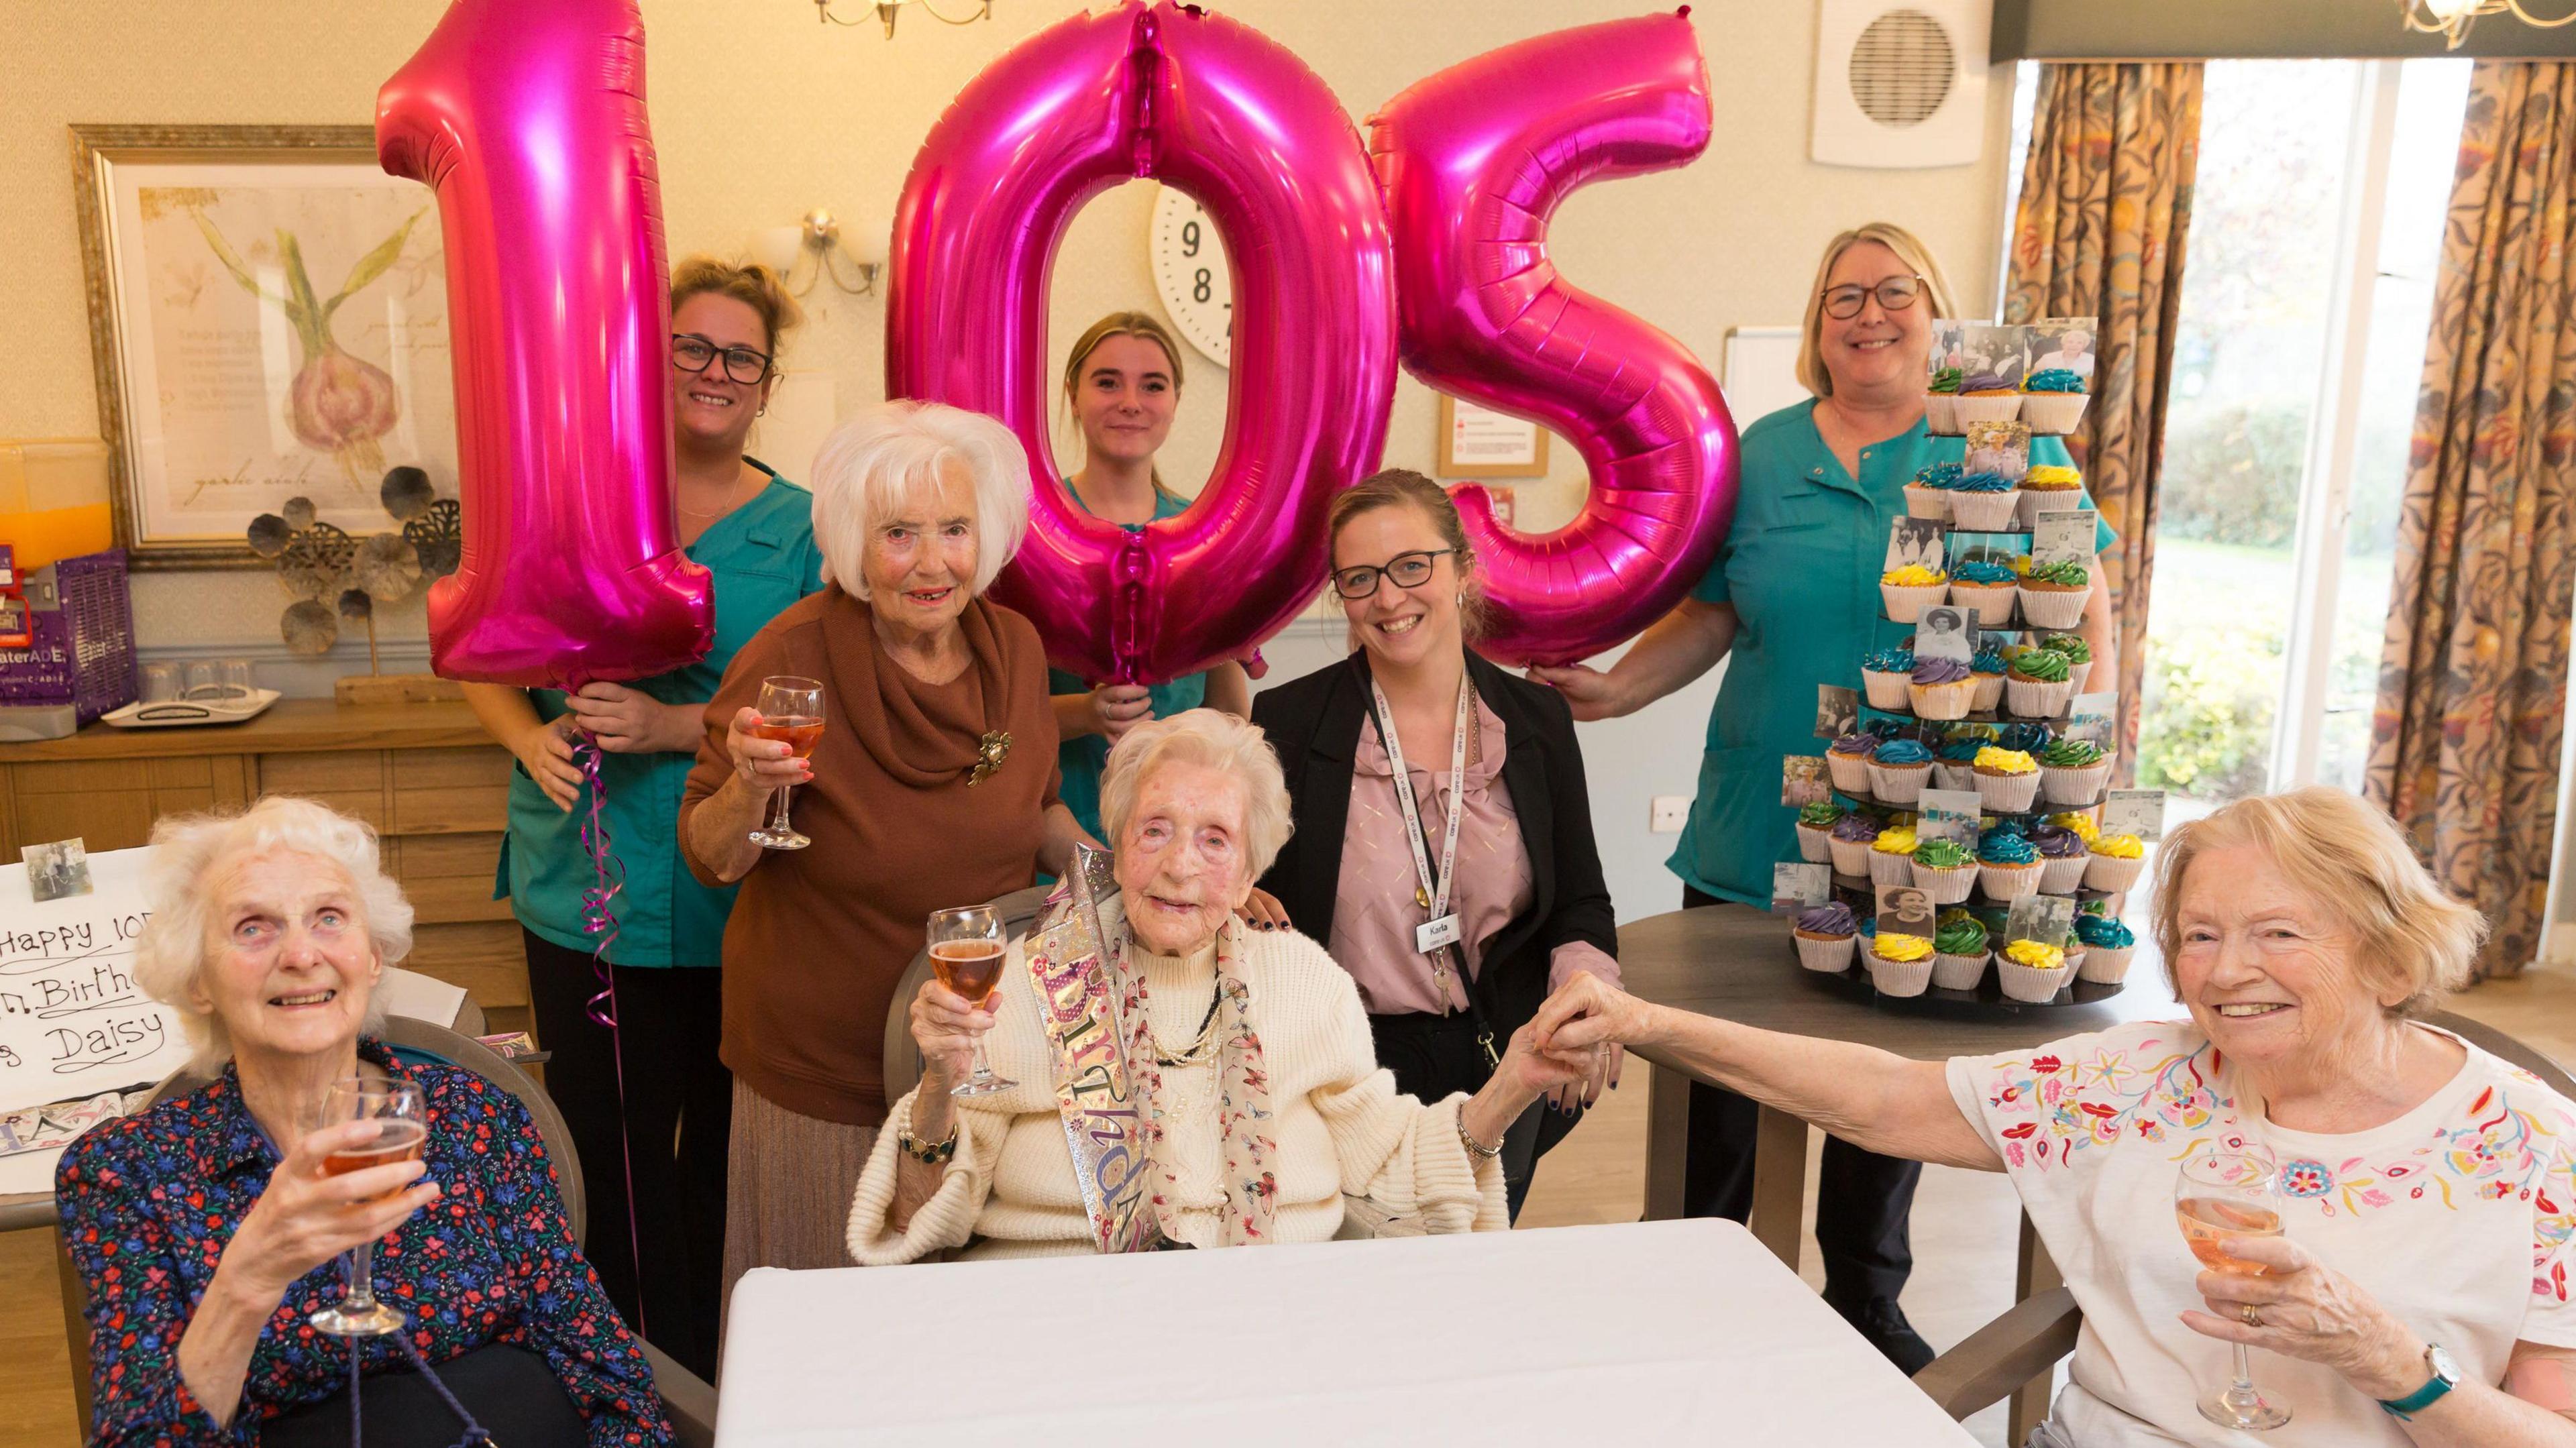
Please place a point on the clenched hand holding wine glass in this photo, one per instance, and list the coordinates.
(401, 1125)
(966, 952)
(791, 713)
(2220, 1196)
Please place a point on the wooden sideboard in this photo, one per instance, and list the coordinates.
(425, 775)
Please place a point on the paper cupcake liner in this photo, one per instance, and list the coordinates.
(2053, 608)
(2105, 964)
(1947, 887)
(1941, 701)
(2006, 793)
(1896, 784)
(1849, 772)
(2007, 882)
(2076, 674)
(1900, 977)
(1989, 692)
(1851, 857)
(1888, 869)
(1923, 502)
(1829, 953)
(1974, 410)
(2060, 877)
(2109, 872)
(2035, 501)
(1815, 846)
(2028, 982)
(1995, 606)
(2036, 698)
(1946, 775)
(1885, 689)
(1905, 602)
(1941, 413)
(1984, 512)
(2053, 412)
(2072, 786)
(1958, 972)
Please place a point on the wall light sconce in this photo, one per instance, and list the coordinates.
(783, 248)
(887, 10)
(2450, 19)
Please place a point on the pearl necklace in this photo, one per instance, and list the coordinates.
(1201, 1048)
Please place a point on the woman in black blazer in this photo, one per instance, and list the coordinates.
(1520, 889)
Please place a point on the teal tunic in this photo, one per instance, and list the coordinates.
(1083, 759)
(764, 558)
(1801, 567)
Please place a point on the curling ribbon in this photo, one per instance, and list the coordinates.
(608, 881)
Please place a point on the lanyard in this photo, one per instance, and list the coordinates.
(1435, 888)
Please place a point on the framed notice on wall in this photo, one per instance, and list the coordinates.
(1478, 442)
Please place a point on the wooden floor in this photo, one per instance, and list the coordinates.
(1964, 1224)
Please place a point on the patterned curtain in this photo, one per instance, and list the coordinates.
(2473, 677)
(2105, 207)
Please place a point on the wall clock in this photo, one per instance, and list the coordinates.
(1191, 275)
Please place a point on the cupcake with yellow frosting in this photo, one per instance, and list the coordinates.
(2049, 488)
(1900, 965)
(2078, 821)
(2006, 779)
(1945, 870)
(1891, 856)
(2115, 863)
(1909, 590)
(2031, 971)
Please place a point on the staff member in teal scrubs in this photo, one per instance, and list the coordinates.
(754, 531)
(1793, 602)
(1122, 383)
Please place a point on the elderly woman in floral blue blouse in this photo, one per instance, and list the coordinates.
(206, 1232)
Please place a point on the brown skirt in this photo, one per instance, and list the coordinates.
(788, 1186)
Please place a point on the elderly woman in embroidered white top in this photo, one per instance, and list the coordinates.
(1266, 1104)
(2419, 1295)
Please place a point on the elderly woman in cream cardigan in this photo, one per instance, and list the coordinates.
(1265, 1115)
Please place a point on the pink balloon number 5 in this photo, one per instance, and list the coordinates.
(527, 119)
(1474, 161)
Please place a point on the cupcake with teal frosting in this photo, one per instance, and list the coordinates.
(2108, 946)
(1959, 951)
(2053, 594)
(1847, 761)
(1954, 764)
(1941, 402)
(1851, 837)
(1927, 493)
(2036, 686)
(1944, 870)
(1986, 671)
(1816, 831)
(1884, 675)
(2007, 865)
(1897, 771)
(1984, 502)
(2052, 400)
(1989, 587)
(2072, 772)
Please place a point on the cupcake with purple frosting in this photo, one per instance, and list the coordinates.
(1850, 840)
(1827, 937)
(1847, 761)
(1940, 689)
(1987, 397)
(2063, 857)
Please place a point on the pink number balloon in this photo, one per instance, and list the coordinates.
(1474, 161)
(1211, 106)
(527, 118)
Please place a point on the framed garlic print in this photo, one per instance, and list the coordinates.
(268, 320)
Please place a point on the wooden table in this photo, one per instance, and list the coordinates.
(1736, 962)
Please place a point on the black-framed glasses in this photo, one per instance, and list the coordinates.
(1894, 295)
(693, 353)
(1409, 570)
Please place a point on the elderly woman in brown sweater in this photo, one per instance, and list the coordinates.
(934, 784)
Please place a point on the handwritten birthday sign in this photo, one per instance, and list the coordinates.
(72, 1020)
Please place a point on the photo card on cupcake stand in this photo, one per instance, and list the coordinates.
(1949, 343)
(1949, 814)
(1998, 350)
(2062, 536)
(1803, 780)
(1796, 887)
(2044, 918)
(2139, 812)
(1946, 632)
(1916, 543)
(2066, 342)
(1907, 910)
(1837, 710)
(2001, 448)
(2088, 719)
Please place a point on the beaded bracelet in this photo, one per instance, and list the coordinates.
(931, 1155)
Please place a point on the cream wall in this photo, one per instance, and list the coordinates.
(761, 114)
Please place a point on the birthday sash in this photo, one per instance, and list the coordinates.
(1096, 1087)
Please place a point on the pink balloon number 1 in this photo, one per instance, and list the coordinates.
(1474, 161)
(527, 119)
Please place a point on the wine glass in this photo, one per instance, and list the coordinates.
(966, 954)
(402, 1131)
(2223, 1194)
(791, 711)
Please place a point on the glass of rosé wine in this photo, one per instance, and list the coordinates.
(791, 711)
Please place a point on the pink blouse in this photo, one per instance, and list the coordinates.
(1374, 913)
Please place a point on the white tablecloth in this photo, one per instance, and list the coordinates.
(1657, 1333)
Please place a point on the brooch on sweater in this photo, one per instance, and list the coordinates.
(990, 751)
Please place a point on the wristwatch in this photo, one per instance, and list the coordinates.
(2446, 1376)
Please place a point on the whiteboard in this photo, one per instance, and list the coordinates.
(1761, 373)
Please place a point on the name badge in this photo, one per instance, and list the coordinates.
(1434, 934)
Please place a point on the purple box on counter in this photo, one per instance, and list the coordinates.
(81, 619)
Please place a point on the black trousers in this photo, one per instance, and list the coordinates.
(679, 1120)
(1863, 1200)
(1434, 1056)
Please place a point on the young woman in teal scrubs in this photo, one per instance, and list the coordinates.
(1122, 383)
(1792, 602)
(753, 530)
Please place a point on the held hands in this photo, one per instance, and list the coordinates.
(545, 751)
(304, 1219)
(946, 1026)
(1118, 708)
(1588, 1011)
(2311, 1312)
(626, 721)
(764, 764)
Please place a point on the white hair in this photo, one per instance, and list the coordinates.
(1216, 740)
(189, 852)
(877, 462)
